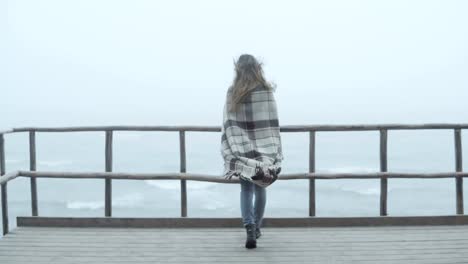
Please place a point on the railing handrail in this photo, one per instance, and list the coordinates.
(183, 176)
(283, 128)
(218, 179)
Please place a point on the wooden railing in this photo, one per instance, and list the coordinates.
(183, 176)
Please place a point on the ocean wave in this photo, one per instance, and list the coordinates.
(175, 185)
(15, 161)
(372, 191)
(126, 201)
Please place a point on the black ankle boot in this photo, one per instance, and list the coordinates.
(251, 241)
(257, 232)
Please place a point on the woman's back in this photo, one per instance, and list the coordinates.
(251, 134)
(256, 125)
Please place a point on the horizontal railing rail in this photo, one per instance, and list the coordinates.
(217, 179)
(183, 176)
(285, 128)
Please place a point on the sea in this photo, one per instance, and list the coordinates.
(158, 152)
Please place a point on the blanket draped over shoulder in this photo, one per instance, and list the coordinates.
(251, 135)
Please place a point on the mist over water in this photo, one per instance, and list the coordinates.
(95, 63)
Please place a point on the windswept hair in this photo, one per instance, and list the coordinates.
(248, 75)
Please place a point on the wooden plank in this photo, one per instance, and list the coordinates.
(241, 258)
(108, 181)
(2, 132)
(352, 230)
(156, 261)
(312, 170)
(2, 155)
(218, 250)
(367, 127)
(8, 177)
(32, 167)
(119, 128)
(218, 178)
(383, 231)
(287, 128)
(168, 237)
(390, 240)
(443, 229)
(3, 186)
(236, 222)
(458, 168)
(128, 176)
(341, 238)
(383, 168)
(226, 246)
(4, 209)
(223, 245)
(183, 169)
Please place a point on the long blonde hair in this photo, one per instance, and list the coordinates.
(248, 75)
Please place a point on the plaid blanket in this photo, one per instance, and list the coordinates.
(251, 136)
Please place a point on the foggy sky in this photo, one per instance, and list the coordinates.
(171, 62)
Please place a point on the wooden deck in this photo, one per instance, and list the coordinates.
(377, 244)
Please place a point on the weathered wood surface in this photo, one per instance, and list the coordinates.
(183, 169)
(32, 167)
(286, 128)
(218, 178)
(108, 182)
(458, 167)
(171, 222)
(8, 177)
(311, 170)
(6, 131)
(415, 244)
(383, 168)
(4, 186)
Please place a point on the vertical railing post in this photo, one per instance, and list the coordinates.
(459, 168)
(383, 168)
(183, 169)
(108, 153)
(4, 186)
(32, 167)
(312, 170)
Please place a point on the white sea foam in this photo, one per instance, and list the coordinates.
(362, 191)
(15, 161)
(175, 185)
(127, 201)
(354, 187)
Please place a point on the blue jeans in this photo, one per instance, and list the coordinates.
(252, 213)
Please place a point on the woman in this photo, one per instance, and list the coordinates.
(250, 141)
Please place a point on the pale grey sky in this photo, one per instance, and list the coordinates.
(170, 62)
